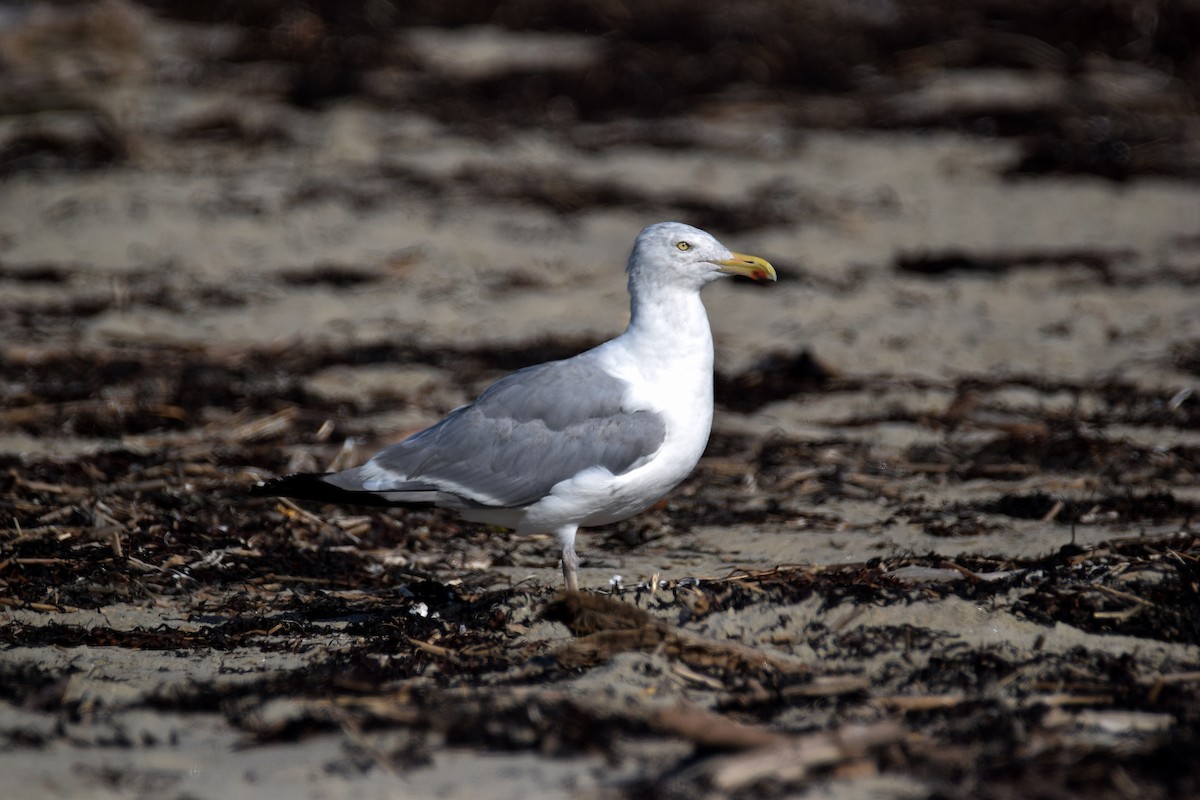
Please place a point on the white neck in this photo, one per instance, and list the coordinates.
(662, 317)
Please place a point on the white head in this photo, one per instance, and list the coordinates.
(672, 253)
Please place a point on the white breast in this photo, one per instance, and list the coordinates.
(677, 389)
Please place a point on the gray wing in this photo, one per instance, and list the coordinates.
(524, 434)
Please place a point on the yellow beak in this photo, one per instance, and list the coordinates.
(751, 266)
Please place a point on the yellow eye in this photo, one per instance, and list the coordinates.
(683, 246)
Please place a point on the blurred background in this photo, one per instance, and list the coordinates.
(375, 169)
(361, 212)
(1096, 88)
(950, 190)
(250, 237)
(1102, 88)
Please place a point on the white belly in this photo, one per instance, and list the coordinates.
(677, 387)
(596, 497)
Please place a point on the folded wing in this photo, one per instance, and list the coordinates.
(525, 433)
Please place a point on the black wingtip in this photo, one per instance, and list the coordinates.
(299, 485)
(312, 486)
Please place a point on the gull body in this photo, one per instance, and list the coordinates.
(584, 441)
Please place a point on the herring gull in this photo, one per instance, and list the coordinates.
(588, 440)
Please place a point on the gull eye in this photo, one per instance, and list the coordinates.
(683, 246)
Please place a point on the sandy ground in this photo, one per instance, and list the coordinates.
(943, 542)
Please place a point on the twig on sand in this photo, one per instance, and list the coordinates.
(795, 757)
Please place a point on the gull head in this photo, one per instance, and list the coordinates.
(671, 252)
